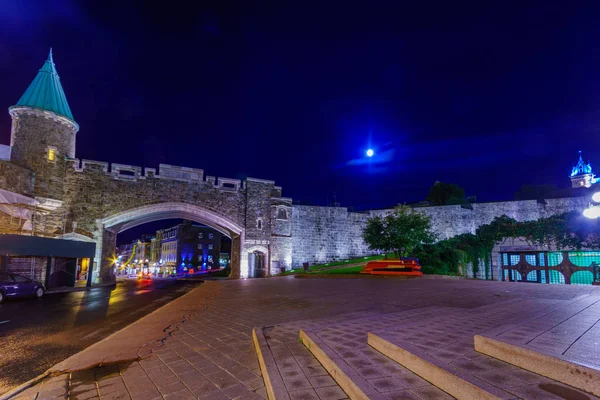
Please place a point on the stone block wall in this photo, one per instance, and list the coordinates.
(16, 179)
(324, 234)
(258, 204)
(34, 132)
(92, 192)
(281, 253)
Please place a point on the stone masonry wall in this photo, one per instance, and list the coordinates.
(16, 179)
(257, 207)
(92, 193)
(33, 133)
(324, 234)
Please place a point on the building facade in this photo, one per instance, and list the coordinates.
(188, 247)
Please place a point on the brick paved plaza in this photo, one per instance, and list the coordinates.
(210, 354)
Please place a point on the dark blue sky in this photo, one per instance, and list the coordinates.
(488, 95)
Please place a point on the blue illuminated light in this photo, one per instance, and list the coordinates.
(581, 168)
(370, 153)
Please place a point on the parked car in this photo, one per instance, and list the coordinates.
(13, 285)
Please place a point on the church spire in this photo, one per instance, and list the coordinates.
(46, 92)
(581, 168)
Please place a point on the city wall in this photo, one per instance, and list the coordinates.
(324, 234)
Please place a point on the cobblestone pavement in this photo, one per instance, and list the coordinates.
(447, 334)
(210, 354)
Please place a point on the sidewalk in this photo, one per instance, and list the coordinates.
(200, 345)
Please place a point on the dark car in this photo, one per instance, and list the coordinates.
(13, 285)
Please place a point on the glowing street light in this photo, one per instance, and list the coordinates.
(370, 153)
(593, 211)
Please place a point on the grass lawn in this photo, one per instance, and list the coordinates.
(339, 271)
(314, 268)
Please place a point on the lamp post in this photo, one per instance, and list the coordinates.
(593, 210)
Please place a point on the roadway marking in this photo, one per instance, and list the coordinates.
(4, 322)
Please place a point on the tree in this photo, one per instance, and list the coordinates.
(534, 192)
(441, 194)
(403, 231)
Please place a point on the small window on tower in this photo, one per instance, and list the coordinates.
(51, 154)
(282, 213)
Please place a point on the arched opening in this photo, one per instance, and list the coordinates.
(109, 227)
(257, 261)
(282, 213)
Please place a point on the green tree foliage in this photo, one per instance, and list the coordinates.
(403, 231)
(568, 231)
(534, 192)
(442, 194)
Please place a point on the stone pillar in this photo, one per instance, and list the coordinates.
(106, 242)
(236, 258)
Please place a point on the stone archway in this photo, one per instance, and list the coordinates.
(258, 261)
(108, 228)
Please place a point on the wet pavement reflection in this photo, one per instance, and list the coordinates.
(35, 334)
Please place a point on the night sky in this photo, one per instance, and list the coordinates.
(488, 95)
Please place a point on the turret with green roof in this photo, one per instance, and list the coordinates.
(44, 132)
(46, 92)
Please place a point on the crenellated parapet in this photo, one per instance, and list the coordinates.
(188, 175)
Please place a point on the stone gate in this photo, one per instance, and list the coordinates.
(94, 201)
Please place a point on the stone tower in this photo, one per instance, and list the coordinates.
(43, 132)
(582, 175)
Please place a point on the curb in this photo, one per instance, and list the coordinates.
(50, 371)
(567, 372)
(455, 383)
(272, 378)
(23, 386)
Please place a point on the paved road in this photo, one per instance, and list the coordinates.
(35, 334)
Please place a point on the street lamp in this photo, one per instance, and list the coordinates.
(370, 153)
(593, 211)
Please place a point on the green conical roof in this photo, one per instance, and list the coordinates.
(46, 92)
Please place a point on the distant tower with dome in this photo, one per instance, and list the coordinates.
(582, 175)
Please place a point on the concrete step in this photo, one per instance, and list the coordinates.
(289, 370)
(561, 369)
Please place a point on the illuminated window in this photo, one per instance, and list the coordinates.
(210, 246)
(210, 236)
(51, 154)
(200, 235)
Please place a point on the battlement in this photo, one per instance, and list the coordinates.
(166, 171)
